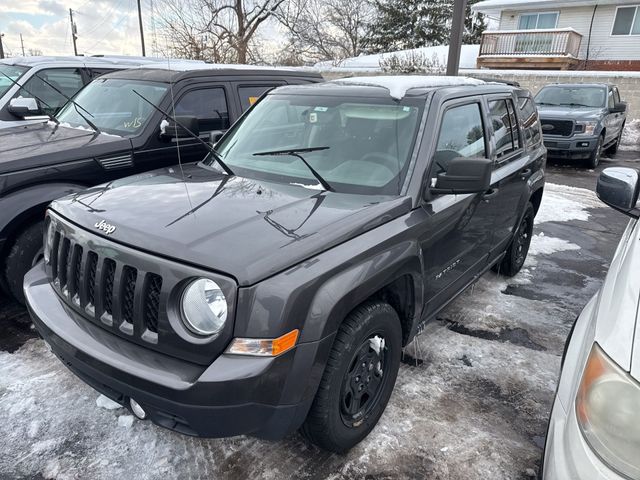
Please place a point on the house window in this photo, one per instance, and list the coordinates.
(531, 21)
(627, 21)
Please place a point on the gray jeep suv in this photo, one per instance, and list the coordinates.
(580, 121)
(279, 293)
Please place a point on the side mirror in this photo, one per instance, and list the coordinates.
(619, 108)
(172, 129)
(23, 107)
(214, 137)
(464, 175)
(618, 187)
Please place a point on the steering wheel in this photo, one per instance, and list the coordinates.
(385, 159)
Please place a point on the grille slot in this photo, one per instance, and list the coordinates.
(54, 254)
(129, 277)
(151, 295)
(63, 259)
(92, 261)
(563, 128)
(107, 285)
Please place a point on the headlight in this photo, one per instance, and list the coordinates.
(48, 241)
(204, 307)
(608, 412)
(588, 128)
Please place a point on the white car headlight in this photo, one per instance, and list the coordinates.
(204, 307)
(588, 127)
(48, 241)
(608, 412)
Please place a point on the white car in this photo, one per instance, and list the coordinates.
(594, 430)
(31, 88)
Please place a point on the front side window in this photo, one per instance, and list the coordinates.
(616, 95)
(113, 105)
(533, 21)
(52, 87)
(572, 96)
(208, 105)
(357, 145)
(14, 72)
(505, 127)
(611, 102)
(627, 21)
(250, 94)
(461, 134)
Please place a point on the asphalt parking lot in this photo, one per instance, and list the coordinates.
(471, 401)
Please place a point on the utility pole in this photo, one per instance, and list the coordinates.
(141, 31)
(74, 33)
(457, 29)
(1, 49)
(22, 43)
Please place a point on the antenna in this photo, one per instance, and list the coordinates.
(74, 33)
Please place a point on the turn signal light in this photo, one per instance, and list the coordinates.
(264, 347)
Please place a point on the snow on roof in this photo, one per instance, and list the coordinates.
(188, 66)
(82, 60)
(491, 6)
(398, 85)
(468, 57)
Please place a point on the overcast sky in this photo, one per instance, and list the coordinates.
(104, 26)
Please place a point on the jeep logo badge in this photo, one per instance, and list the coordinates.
(105, 227)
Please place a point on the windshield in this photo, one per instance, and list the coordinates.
(14, 72)
(113, 105)
(355, 145)
(572, 96)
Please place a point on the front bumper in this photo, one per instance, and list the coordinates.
(265, 397)
(576, 148)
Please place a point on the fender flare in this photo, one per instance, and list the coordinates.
(21, 206)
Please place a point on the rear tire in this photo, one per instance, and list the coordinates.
(519, 248)
(24, 254)
(594, 159)
(358, 378)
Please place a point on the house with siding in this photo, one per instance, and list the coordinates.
(561, 34)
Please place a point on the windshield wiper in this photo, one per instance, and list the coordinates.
(89, 122)
(575, 104)
(21, 87)
(546, 103)
(295, 152)
(207, 146)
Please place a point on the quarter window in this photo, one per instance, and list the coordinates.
(462, 134)
(505, 127)
(531, 21)
(208, 105)
(627, 21)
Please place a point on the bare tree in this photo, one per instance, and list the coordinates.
(326, 29)
(215, 30)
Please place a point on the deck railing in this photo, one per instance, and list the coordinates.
(556, 42)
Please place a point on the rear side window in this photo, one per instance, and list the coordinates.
(208, 105)
(529, 121)
(462, 134)
(250, 94)
(505, 127)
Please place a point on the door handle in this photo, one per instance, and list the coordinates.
(526, 172)
(489, 194)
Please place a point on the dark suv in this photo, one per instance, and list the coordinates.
(41, 162)
(580, 121)
(273, 285)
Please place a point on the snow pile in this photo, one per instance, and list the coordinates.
(468, 58)
(631, 136)
(107, 403)
(399, 85)
(561, 203)
(543, 245)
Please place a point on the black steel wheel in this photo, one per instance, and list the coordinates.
(358, 378)
(519, 248)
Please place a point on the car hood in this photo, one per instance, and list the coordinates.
(42, 144)
(241, 227)
(569, 113)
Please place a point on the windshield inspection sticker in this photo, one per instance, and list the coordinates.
(313, 117)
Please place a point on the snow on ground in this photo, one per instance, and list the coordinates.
(471, 400)
(631, 136)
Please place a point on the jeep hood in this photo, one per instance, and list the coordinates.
(42, 144)
(569, 113)
(249, 229)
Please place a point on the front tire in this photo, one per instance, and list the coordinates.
(519, 247)
(594, 159)
(358, 378)
(24, 254)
